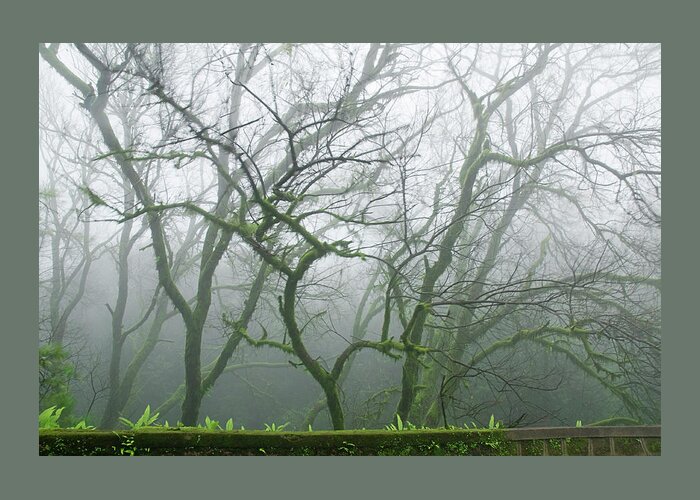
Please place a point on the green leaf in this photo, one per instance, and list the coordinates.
(229, 424)
(127, 422)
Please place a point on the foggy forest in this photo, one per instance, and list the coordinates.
(349, 236)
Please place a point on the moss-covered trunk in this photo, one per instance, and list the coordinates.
(327, 382)
(475, 159)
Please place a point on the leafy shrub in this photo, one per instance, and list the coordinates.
(56, 373)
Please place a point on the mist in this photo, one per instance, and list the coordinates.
(331, 235)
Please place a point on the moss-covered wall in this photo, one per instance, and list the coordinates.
(420, 442)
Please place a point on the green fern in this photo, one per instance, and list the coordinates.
(400, 425)
(48, 419)
(210, 425)
(145, 420)
(275, 428)
(493, 424)
(82, 425)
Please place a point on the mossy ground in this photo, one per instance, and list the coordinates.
(184, 441)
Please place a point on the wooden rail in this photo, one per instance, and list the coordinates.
(564, 434)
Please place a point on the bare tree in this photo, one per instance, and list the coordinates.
(463, 204)
(547, 148)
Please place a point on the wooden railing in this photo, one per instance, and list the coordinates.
(593, 435)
